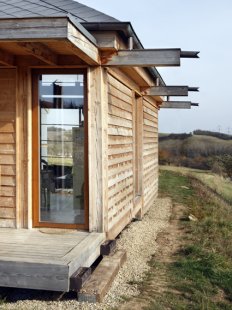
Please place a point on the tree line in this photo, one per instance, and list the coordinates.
(205, 150)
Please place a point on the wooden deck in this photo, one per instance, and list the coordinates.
(45, 259)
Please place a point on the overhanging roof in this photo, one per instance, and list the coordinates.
(45, 8)
(126, 30)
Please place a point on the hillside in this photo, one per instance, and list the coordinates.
(196, 151)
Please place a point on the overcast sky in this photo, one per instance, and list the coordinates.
(204, 25)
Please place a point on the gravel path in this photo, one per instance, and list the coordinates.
(139, 240)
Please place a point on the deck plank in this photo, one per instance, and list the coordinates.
(34, 276)
(45, 260)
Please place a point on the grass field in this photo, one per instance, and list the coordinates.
(199, 274)
(218, 184)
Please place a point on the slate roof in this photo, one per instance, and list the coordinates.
(50, 8)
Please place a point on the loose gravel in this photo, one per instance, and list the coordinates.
(139, 240)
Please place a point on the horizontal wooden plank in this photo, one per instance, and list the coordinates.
(148, 128)
(120, 131)
(150, 104)
(27, 23)
(150, 146)
(150, 134)
(7, 213)
(121, 87)
(152, 152)
(115, 111)
(120, 159)
(7, 138)
(116, 228)
(149, 172)
(117, 169)
(151, 112)
(150, 163)
(151, 156)
(7, 191)
(29, 29)
(149, 122)
(113, 140)
(150, 140)
(150, 117)
(7, 180)
(120, 178)
(144, 58)
(120, 103)
(34, 276)
(122, 209)
(7, 159)
(120, 200)
(7, 149)
(120, 149)
(7, 127)
(114, 91)
(8, 170)
(117, 188)
(150, 185)
(8, 202)
(117, 121)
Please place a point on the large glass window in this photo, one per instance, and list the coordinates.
(62, 190)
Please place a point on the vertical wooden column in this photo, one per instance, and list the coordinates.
(98, 155)
(22, 98)
(138, 155)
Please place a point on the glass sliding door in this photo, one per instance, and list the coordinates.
(61, 148)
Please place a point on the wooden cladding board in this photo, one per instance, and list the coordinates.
(7, 147)
(120, 155)
(150, 153)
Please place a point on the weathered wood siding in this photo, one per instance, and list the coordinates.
(7, 147)
(120, 155)
(150, 153)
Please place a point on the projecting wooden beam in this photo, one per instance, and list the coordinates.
(167, 91)
(176, 105)
(146, 58)
(6, 58)
(40, 51)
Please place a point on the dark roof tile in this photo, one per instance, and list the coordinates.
(46, 8)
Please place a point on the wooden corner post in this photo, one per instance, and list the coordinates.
(97, 155)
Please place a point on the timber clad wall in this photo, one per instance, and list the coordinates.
(150, 155)
(120, 152)
(7, 148)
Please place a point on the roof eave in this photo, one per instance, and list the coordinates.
(127, 29)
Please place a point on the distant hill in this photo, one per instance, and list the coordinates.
(199, 150)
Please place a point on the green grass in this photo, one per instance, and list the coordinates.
(200, 274)
(220, 185)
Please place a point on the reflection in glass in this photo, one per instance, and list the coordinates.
(61, 100)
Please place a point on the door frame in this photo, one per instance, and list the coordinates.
(36, 151)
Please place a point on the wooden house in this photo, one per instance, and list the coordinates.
(79, 101)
